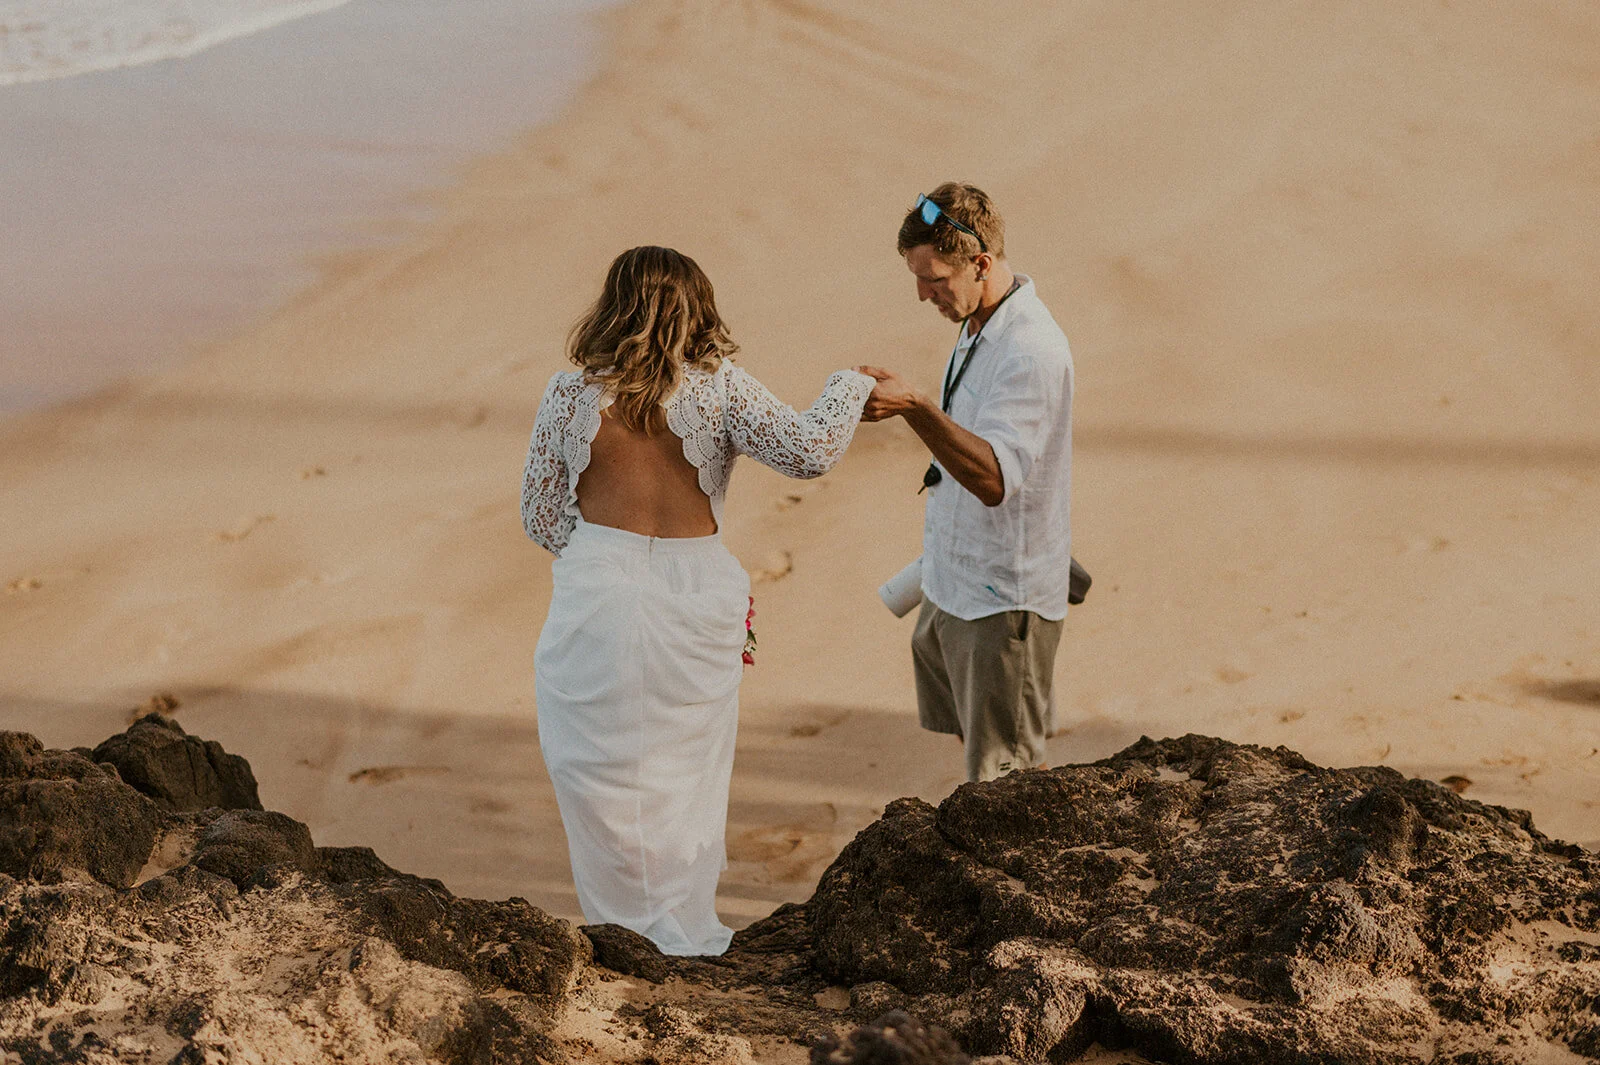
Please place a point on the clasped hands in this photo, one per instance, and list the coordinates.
(960, 452)
(892, 396)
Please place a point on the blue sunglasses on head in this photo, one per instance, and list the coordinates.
(931, 212)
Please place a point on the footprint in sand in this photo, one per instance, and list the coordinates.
(24, 584)
(233, 536)
(1229, 675)
(767, 845)
(309, 472)
(792, 852)
(1457, 783)
(1511, 760)
(388, 774)
(807, 729)
(775, 572)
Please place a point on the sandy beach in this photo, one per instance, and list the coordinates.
(1328, 274)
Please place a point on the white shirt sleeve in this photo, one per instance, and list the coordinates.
(1017, 415)
(796, 444)
(544, 478)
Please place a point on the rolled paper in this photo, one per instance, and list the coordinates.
(903, 592)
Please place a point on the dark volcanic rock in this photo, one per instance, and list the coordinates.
(288, 974)
(254, 944)
(510, 944)
(42, 947)
(893, 1039)
(626, 951)
(1194, 900)
(238, 844)
(61, 815)
(341, 865)
(1208, 902)
(179, 771)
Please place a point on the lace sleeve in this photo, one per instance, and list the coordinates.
(795, 444)
(544, 479)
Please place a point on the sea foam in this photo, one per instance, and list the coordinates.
(42, 39)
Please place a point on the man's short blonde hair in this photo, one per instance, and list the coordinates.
(968, 205)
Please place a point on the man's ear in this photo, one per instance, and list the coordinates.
(983, 261)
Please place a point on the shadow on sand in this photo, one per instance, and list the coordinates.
(1581, 692)
(463, 795)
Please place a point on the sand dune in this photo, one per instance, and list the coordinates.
(1328, 275)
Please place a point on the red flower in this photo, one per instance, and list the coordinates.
(749, 656)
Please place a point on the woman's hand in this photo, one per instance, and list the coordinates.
(893, 396)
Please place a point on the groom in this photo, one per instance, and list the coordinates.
(996, 545)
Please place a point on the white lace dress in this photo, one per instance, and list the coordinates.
(637, 670)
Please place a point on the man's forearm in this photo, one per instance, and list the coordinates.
(965, 455)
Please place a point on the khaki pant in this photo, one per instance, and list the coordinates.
(987, 681)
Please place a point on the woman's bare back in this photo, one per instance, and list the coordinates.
(641, 482)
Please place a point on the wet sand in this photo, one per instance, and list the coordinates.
(153, 211)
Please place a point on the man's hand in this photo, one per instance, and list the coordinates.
(892, 397)
(966, 456)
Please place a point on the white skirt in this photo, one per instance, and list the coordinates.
(637, 680)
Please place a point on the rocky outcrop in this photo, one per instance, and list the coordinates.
(1187, 900)
(240, 845)
(65, 816)
(1207, 902)
(893, 1039)
(178, 771)
(625, 951)
(197, 971)
(243, 941)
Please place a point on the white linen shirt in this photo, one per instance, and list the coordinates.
(1016, 395)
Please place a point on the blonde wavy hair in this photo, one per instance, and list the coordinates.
(656, 315)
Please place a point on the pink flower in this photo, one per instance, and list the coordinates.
(749, 656)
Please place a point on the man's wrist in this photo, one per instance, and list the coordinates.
(918, 407)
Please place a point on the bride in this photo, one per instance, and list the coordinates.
(637, 669)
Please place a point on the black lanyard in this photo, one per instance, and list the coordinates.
(950, 385)
(932, 476)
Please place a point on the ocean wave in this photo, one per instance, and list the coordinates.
(41, 39)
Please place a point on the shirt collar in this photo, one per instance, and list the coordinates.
(996, 325)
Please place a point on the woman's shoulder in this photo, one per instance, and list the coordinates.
(566, 385)
(700, 373)
(700, 399)
(705, 384)
(568, 397)
(566, 381)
